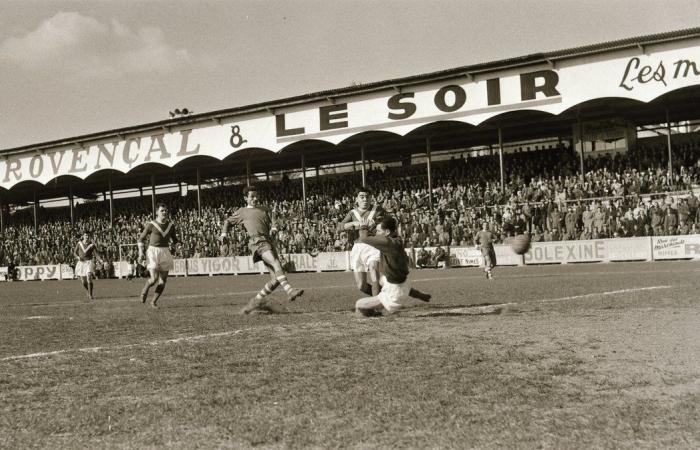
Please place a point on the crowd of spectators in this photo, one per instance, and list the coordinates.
(625, 194)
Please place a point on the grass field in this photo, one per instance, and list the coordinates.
(580, 356)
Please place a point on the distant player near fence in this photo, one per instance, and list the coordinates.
(484, 241)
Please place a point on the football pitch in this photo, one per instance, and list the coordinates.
(574, 356)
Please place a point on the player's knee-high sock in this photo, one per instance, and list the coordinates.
(158, 290)
(90, 286)
(84, 281)
(267, 289)
(285, 284)
(146, 288)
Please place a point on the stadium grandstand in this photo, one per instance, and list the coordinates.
(595, 142)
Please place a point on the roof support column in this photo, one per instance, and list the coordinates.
(668, 144)
(362, 158)
(2, 215)
(199, 193)
(580, 141)
(247, 172)
(500, 158)
(429, 169)
(71, 205)
(111, 204)
(36, 212)
(153, 194)
(303, 181)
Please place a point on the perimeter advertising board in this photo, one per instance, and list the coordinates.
(676, 247)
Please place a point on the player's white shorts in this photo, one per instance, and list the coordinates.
(361, 256)
(394, 296)
(159, 258)
(84, 268)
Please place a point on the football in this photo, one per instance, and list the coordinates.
(521, 244)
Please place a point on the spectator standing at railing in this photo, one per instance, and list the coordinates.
(693, 203)
(683, 211)
(599, 219)
(670, 221)
(570, 221)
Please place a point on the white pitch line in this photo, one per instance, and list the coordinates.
(135, 299)
(620, 291)
(121, 347)
(491, 309)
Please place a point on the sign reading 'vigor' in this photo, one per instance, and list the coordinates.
(471, 99)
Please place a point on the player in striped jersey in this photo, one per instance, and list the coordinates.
(361, 222)
(257, 222)
(85, 252)
(161, 233)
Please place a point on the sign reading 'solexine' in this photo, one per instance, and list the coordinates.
(596, 250)
(640, 74)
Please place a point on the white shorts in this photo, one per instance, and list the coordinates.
(394, 296)
(361, 256)
(159, 258)
(84, 268)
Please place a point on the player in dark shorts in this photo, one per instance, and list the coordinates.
(160, 234)
(484, 240)
(257, 222)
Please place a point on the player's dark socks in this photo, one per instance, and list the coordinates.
(366, 289)
(422, 296)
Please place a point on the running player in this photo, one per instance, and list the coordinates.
(393, 265)
(364, 259)
(85, 252)
(257, 222)
(484, 240)
(159, 260)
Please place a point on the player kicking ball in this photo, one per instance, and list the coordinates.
(393, 266)
(85, 252)
(257, 222)
(364, 259)
(160, 232)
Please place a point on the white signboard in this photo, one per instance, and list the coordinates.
(676, 247)
(565, 252)
(224, 265)
(642, 74)
(3, 273)
(47, 272)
